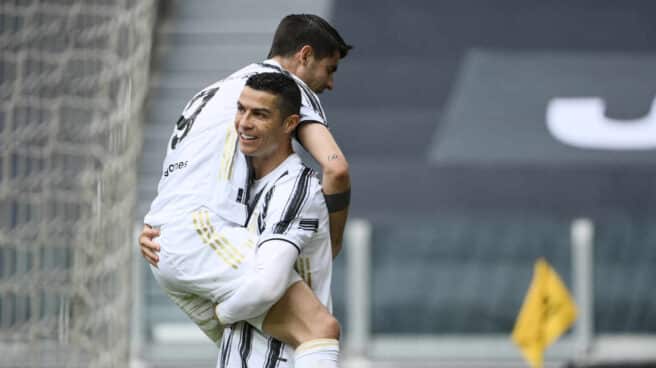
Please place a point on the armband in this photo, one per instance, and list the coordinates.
(338, 201)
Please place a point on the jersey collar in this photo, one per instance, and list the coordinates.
(276, 64)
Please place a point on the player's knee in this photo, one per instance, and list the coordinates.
(327, 327)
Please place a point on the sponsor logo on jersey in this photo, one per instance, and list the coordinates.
(175, 167)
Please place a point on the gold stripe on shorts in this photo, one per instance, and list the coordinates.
(221, 241)
(201, 232)
(228, 253)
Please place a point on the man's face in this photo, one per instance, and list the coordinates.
(318, 73)
(259, 123)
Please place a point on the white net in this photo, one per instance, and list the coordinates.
(73, 79)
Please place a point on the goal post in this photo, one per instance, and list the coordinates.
(73, 81)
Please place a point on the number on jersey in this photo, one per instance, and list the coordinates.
(183, 125)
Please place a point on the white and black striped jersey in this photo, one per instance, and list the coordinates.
(243, 346)
(203, 165)
(287, 205)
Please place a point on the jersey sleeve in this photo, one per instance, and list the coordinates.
(311, 109)
(293, 211)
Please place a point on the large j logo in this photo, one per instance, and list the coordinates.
(581, 122)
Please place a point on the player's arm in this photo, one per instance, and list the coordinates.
(278, 246)
(149, 247)
(336, 183)
(274, 262)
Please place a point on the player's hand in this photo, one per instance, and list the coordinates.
(149, 248)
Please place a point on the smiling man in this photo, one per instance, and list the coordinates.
(288, 215)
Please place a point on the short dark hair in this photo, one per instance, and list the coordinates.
(281, 85)
(298, 30)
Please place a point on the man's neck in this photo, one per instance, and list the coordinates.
(265, 165)
(289, 64)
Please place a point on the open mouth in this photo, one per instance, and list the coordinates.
(246, 137)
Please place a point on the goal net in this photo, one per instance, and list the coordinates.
(73, 79)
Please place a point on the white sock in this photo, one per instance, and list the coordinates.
(319, 353)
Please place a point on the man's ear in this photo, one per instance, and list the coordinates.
(291, 122)
(304, 54)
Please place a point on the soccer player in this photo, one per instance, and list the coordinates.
(287, 213)
(204, 188)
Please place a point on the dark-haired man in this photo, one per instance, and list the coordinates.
(206, 184)
(290, 219)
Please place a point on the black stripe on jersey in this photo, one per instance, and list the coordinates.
(225, 349)
(294, 204)
(222, 354)
(267, 199)
(268, 352)
(275, 347)
(261, 224)
(251, 204)
(245, 344)
(275, 67)
(271, 66)
(261, 221)
(316, 105)
(282, 239)
(309, 224)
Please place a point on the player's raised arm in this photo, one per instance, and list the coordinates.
(336, 183)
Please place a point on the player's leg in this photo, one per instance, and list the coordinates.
(200, 310)
(206, 257)
(193, 263)
(295, 316)
(299, 319)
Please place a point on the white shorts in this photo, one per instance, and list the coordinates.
(201, 262)
(203, 254)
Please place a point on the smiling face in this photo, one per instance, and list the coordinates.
(263, 133)
(318, 73)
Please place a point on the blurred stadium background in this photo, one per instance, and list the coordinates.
(481, 135)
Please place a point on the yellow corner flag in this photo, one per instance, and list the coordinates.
(547, 312)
